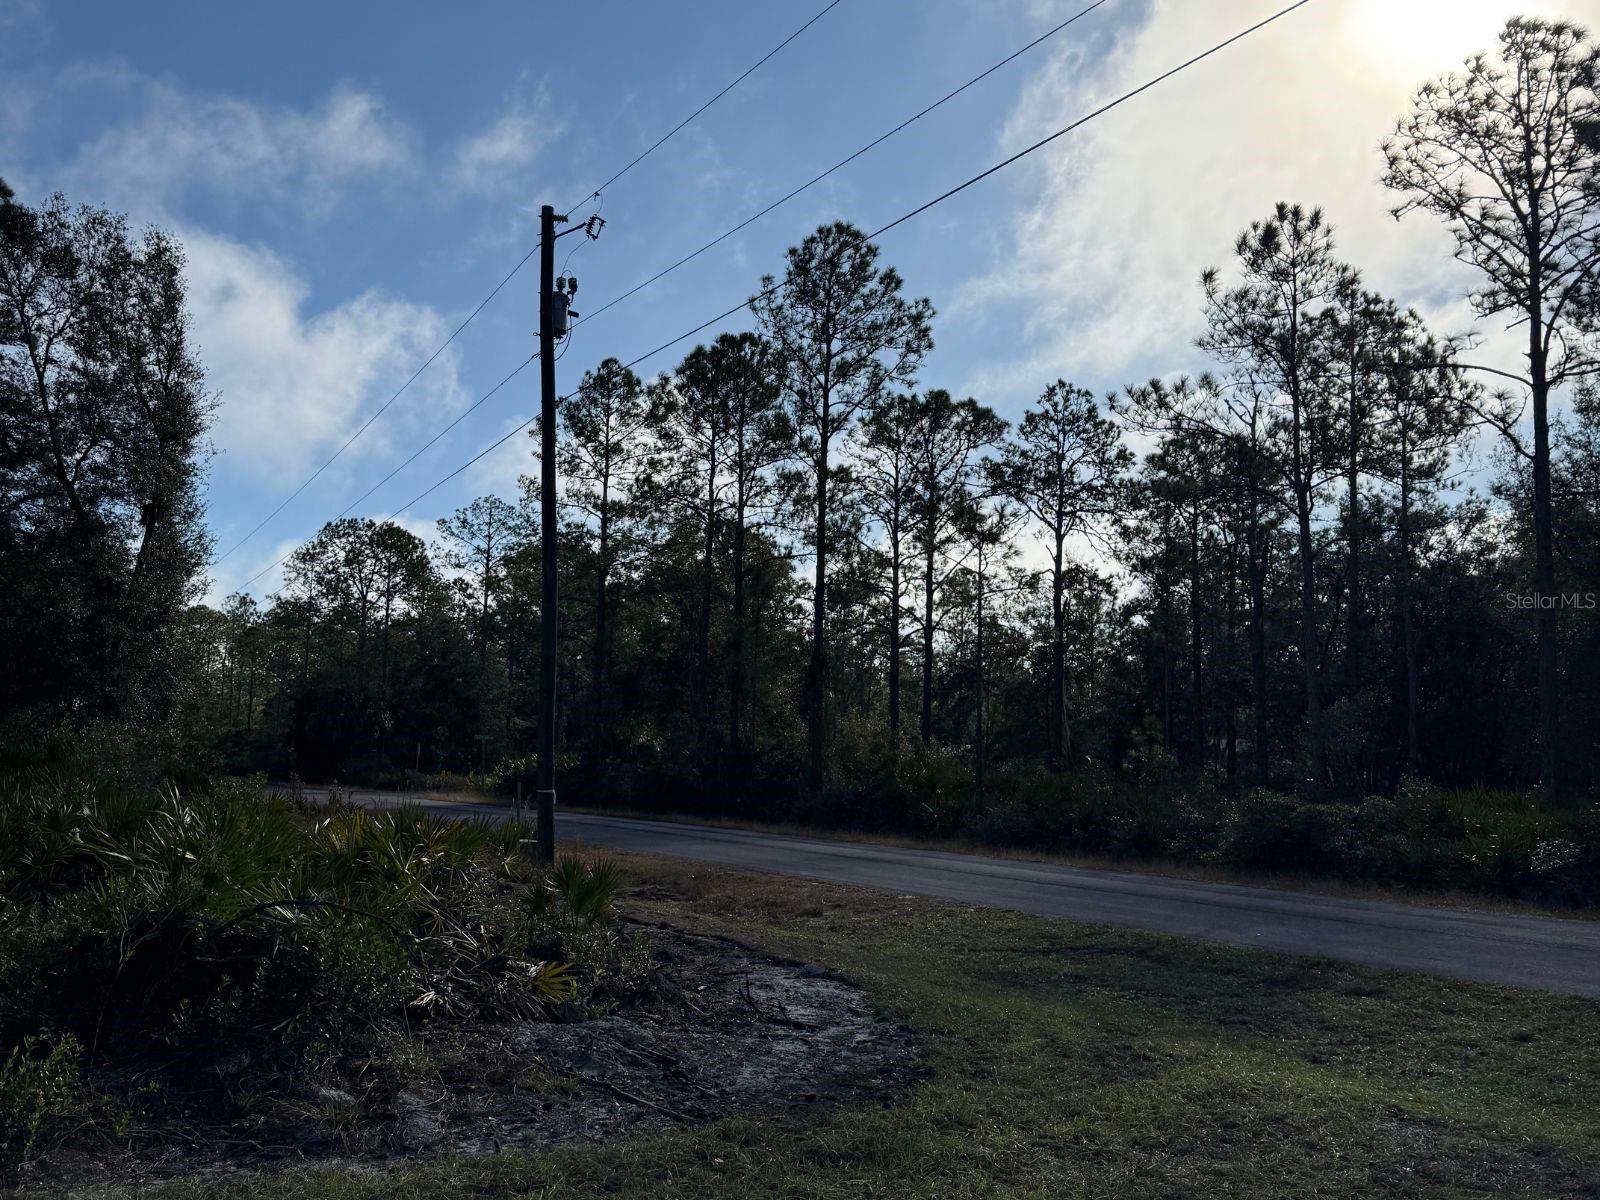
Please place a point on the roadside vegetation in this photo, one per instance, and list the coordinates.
(151, 940)
(1482, 842)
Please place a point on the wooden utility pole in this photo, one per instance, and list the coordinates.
(555, 317)
(547, 538)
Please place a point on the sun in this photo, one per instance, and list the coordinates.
(1411, 40)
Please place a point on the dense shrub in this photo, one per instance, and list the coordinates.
(176, 922)
(126, 753)
(1030, 805)
(1151, 807)
(1159, 813)
(1566, 870)
(1268, 831)
(1148, 807)
(874, 784)
(39, 1092)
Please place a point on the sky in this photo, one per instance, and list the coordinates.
(351, 180)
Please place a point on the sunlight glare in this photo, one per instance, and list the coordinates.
(1412, 40)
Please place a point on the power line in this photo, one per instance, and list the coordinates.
(948, 96)
(384, 407)
(423, 449)
(900, 220)
(365, 425)
(680, 125)
(434, 440)
(427, 491)
(476, 458)
(999, 166)
(1084, 120)
(847, 160)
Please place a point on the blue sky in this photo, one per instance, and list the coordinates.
(351, 179)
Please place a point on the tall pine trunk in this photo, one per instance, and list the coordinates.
(1408, 633)
(1310, 649)
(1256, 552)
(702, 639)
(1230, 653)
(602, 633)
(1356, 625)
(1544, 560)
(1056, 727)
(736, 641)
(817, 662)
(894, 634)
(979, 749)
(1165, 588)
(926, 726)
(1196, 647)
(1316, 752)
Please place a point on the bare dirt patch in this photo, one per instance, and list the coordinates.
(720, 1030)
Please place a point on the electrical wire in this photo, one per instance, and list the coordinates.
(583, 241)
(664, 138)
(900, 220)
(999, 166)
(594, 195)
(475, 459)
(848, 159)
(423, 449)
(384, 407)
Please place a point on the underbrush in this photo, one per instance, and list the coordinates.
(1499, 843)
(158, 931)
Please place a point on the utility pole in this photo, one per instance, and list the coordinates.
(547, 538)
(555, 317)
(978, 747)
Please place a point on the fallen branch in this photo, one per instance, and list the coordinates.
(298, 902)
(624, 1094)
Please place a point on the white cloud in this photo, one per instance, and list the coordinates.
(169, 146)
(180, 143)
(426, 529)
(294, 381)
(499, 471)
(1138, 202)
(295, 384)
(496, 160)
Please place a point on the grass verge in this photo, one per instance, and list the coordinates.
(1066, 1060)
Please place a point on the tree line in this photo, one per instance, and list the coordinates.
(792, 563)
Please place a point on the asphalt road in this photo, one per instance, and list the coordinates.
(1534, 952)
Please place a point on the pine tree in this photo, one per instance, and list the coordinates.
(1064, 466)
(845, 336)
(1506, 154)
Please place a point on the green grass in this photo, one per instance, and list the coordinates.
(1064, 1060)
